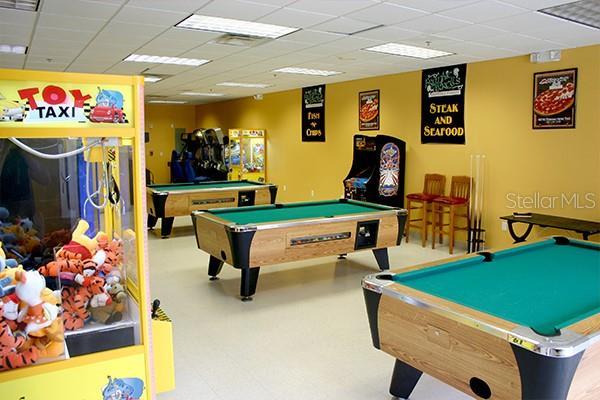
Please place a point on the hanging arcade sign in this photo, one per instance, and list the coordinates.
(443, 105)
(313, 114)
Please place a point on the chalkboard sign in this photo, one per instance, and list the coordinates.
(313, 114)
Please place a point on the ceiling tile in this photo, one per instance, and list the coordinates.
(294, 18)
(17, 17)
(484, 11)
(236, 9)
(536, 4)
(211, 51)
(170, 5)
(148, 16)
(80, 8)
(386, 13)
(168, 69)
(63, 34)
(95, 68)
(129, 68)
(45, 66)
(518, 42)
(471, 31)
(48, 20)
(331, 7)
(432, 23)
(49, 48)
(19, 31)
(344, 26)
(12, 60)
(432, 5)
(312, 36)
(388, 34)
(279, 3)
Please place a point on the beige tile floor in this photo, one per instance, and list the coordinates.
(305, 336)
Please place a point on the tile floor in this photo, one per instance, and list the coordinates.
(305, 336)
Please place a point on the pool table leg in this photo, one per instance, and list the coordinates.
(383, 261)
(166, 226)
(152, 221)
(248, 285)
(404, 379)
(214, 268)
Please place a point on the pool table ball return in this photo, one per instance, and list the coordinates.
(167, 201)
(519, 323)
(252, 237)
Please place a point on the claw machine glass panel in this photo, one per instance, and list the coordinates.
(73, 290)
(247, 154)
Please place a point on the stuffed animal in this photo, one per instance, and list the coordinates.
(112, 312)
(36, 314)
(81, 243)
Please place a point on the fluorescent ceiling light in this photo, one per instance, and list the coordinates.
(168, 101)
(307, 71)
(25, 5)
(12, 48)
(234, 26)
(244, 85)
(165, 60)
(585, 12)
(152, 78)
(202, 94)
(407, 51)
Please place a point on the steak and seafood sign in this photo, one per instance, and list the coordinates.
(313, 114)
(443, 105)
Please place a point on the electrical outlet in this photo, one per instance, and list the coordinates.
(504, 226)
(312, 193)
(284, 188)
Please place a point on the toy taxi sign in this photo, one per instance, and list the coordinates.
(48, 104)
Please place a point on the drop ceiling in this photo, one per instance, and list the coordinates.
(95, 36)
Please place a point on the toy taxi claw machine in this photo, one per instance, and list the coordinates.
(247, 154)
(74, 309)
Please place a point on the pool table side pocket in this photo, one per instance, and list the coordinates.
(446, 349)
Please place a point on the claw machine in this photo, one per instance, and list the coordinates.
(247, 154)
(74, 292)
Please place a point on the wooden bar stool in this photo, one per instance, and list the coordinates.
(433, 187)
(456, 205)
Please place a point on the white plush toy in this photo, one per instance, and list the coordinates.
(37, 314)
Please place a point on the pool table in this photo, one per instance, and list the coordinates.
(167, 201)
(252, 237)
(518, 323)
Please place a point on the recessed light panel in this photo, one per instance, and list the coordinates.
(25, 5)
(153, 78)
(408, 51)
(202, 94)
(244, 85)
(307, 71)
(585, 12)
(234, 26)
(167, 101)
(165, 60)
(12, 49)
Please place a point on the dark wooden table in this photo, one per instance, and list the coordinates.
(586, 228)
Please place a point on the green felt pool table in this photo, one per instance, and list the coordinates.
(167, 201)
(518, 323)
(251, 237)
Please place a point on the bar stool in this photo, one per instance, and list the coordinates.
(433, 187)
(456, 205)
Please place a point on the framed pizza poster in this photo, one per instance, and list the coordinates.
(368, 110)
(554, 99)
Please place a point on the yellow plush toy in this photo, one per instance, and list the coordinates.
(81, 243)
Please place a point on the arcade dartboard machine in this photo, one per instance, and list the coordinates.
(377, 172)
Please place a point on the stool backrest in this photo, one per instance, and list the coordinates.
(460, 187)
(434, 184)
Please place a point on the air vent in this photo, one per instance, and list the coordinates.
(584, 12)
(24, 5)
(240, 40)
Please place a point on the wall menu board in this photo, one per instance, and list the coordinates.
(368, 110)
(554, 99)
(313, 114)
(443, 105)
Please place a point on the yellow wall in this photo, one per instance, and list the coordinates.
(498, 124)
(161, 121)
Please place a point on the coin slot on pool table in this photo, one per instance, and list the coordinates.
(246, 198)
(366, 234)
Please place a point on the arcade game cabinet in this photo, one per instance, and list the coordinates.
(201, 158)
(377, 173)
